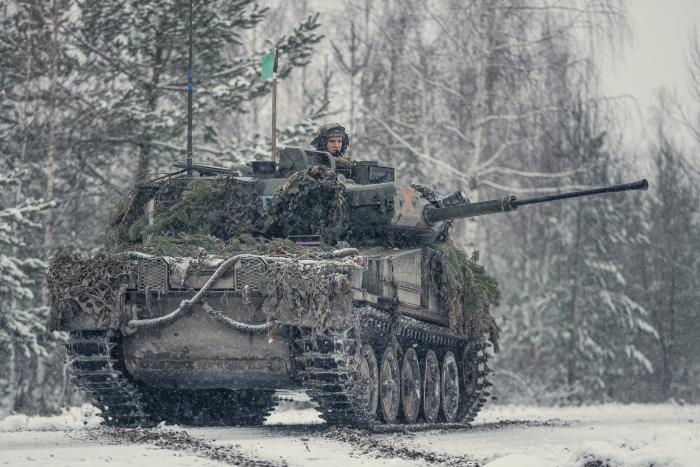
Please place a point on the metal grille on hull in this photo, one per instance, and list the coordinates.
(249, 272)
(153, 274)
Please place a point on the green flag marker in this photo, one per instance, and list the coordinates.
(267, 64)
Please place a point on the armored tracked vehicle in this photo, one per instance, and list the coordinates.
(308, 273)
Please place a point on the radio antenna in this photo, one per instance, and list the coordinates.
(188, 164)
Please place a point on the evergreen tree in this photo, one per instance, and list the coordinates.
(670, 274)
(580, 331)
(137, 54)
(44, 116)
(23, 332)
(94, 88)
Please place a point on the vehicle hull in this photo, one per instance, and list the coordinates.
(196, 352)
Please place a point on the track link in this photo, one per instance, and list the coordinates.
(98, 369)
(326, 368)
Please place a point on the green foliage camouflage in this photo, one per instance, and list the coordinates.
(207, 245)
(315, 199)
(467, 291)
(220, 217)
(128, 214)
(311, 202)
(216, 217)
(203, 207)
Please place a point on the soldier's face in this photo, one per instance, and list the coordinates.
(334, 144)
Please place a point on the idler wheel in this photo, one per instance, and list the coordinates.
(431, 387)
(367, 381)
(389, 386)
(410, 386)
(450, 387)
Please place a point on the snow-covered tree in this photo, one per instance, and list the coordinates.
(670, 273)
(137, 55)
(23, 332)
(574, 328)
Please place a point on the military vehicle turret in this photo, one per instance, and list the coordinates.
(310, 273)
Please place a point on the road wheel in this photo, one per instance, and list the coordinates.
(410, 386)
(367, 381)
(450, 388)
(431, 387)
(389, 386)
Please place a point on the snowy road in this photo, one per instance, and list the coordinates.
(595, 436)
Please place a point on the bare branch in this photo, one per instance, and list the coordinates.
(174, 147)
(684, 119)
(107, 57)
(442, 164)
(512, 189)
(512, 117)
(694, 65)
(526, 174)
(459, 133)
(501, 149)
(434, 83)
(98, 175)
(121, 69)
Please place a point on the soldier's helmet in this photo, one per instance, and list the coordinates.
(328, 130)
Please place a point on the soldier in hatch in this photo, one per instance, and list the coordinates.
(333, 138)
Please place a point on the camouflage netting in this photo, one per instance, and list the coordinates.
(467, 291)
(296, 293)
(208, 213)
(313, 198)
(306, 295)
(222, 217)
(128, 218)
(195, 246)
(215, 217)
(91, 285)
(220, 208)
(343, 162)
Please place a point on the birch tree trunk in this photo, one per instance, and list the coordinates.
(668, 347)
(425, 123)
(51, 147)
(8, 390)
(353, 62)
(25, 121)
(573, 309)
(480, 103)
(145, 145)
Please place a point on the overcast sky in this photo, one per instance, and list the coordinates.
(657, 55)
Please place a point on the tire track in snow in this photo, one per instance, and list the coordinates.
(374, 445)
(497, 425)
(180, 440)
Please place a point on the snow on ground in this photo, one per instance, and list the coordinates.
(640, 435)
(502, 436)
(71, 419)
(613, 434)
(66, 449)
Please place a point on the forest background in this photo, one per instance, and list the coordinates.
(492, 97)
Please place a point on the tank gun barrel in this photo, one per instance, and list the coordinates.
(511, 203)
